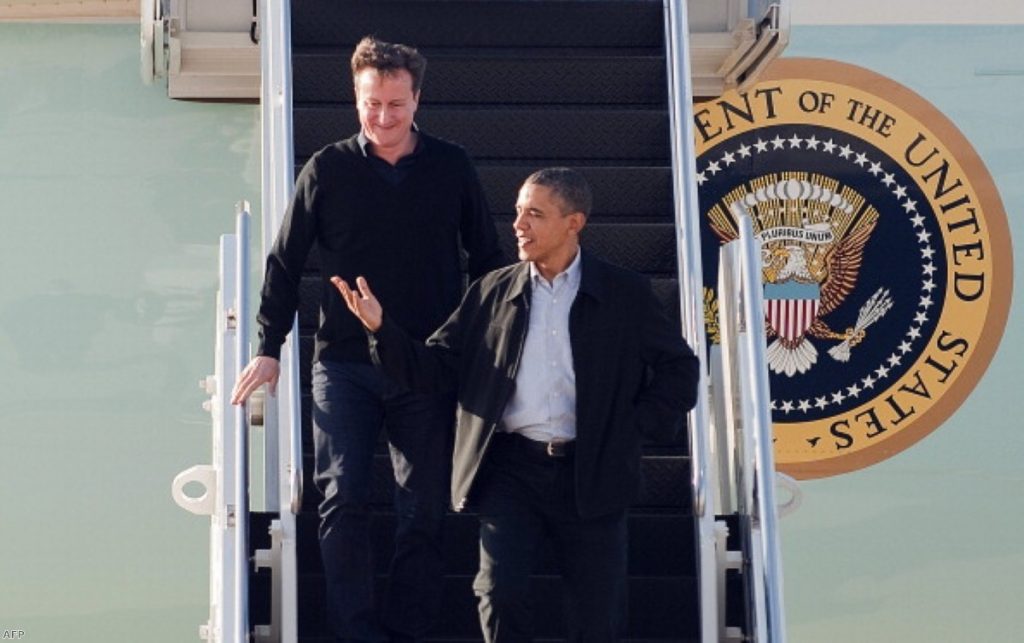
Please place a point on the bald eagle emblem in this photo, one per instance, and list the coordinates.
(812, 232)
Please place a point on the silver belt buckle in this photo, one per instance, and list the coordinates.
(556, 448)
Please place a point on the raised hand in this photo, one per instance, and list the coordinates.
(362, 303)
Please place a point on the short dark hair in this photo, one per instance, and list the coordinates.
(387, 58)
(568, 184)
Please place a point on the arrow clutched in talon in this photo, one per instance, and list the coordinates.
(873, 309)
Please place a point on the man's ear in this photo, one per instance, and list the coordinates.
(577, 221)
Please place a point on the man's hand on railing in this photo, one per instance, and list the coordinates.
(362, 304)
(261, 370)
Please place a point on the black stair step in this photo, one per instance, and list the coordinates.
(619, 191)
(677, 447)
(660, 544)
(496, 77)
(666, 483)
(622, 194)
(649, 248)
(436, 639)
(674, 448)
(663, 584)
(345, 50)
(535, 133)
(665, 289)
(471, 23)
(658, 607)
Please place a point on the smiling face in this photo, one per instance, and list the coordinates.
(546, 234)
(387, 105)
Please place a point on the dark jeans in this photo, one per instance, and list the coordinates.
(351, 402)
(524, 497)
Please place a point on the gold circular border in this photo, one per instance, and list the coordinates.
(839, 73)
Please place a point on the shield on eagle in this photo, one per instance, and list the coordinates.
(791, 308)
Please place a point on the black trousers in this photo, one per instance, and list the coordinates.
(524, 497)
(351, 403)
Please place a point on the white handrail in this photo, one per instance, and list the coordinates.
(735, 473)
(283, 416)
(759, 422)
(687, 222)
(690, 276)
(747, 420)
(278, 183)
(225, 481)
(240, 436)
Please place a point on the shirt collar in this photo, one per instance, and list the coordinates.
(571, 274)
(363, 141)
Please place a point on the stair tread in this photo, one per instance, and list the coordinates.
(427, 107)
(474, 23)
(654, 606)
(507, 51)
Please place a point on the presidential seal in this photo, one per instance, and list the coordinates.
(885, 251)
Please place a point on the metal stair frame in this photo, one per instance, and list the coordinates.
(225, 481)
(283, 422)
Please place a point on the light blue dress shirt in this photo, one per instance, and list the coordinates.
(543, 404)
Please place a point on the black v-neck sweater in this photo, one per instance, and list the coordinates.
(404, 238)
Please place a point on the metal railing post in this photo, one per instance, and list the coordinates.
(759, 421)
(284, 420)
(687, 218)
(225, 481)
(278, 184)
(240, 435)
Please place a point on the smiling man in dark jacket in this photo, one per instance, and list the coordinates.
(562, 363)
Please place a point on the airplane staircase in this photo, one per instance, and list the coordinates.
(521, 85)
(531, 84)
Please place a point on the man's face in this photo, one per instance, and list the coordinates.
(386, 106)
(545, 233)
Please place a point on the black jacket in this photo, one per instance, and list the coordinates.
(635, 376)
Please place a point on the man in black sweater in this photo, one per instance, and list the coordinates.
(391, 203)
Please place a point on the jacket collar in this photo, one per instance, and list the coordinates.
(590, 278)
(520, 281)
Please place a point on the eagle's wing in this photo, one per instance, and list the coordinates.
(843, 263)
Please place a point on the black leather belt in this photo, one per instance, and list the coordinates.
(552, 449)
